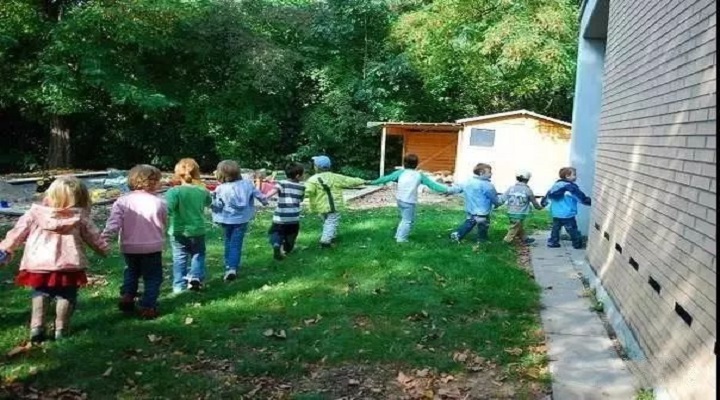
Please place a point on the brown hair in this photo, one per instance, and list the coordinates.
(143, 177)
(480, 168)
(228, 171)
(411, 161)
(566, 171)
(68, 192)
(187, 170)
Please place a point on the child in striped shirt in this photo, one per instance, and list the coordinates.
(286, 219)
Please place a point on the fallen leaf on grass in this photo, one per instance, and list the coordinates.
(312, 321)
(23, 348)
(107, 372)
(154, 338)
(273, 333)
(188, 320)
(404, 379)
(422, 373)
(353, 382)
(516, 351)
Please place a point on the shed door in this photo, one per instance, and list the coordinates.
(436, 151)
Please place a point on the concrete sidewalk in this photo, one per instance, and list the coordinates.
(583, 362)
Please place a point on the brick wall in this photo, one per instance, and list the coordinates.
(652, 231)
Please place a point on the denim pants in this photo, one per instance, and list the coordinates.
(234, 236)
(149, 268)
(284, 235)
(483, 225)
(330, 226)
(187, 252)
(407, 218)
(570, 225)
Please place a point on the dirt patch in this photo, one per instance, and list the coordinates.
(386, 197)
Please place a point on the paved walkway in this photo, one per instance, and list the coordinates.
(583, 362)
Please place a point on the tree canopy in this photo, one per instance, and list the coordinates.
(110, 83)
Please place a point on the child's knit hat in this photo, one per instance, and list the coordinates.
(322, 162)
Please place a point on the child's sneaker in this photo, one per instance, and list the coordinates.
(455, 237)
(326, 245)
(529, 241)
(127, 303)
(59, 334)
(553, 245)
(148, 313)
(277, 253)
(231, 275)
(37, 335)
(194, 284)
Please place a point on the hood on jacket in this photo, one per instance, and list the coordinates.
(57, 219)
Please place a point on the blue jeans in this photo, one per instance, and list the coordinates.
(234, 236)
(483, 226)
(284, 235)
(407, 218)
(187, 251)
(570, 226)
(149, 267)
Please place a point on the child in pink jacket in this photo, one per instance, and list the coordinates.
(140, 218)
(54, 261)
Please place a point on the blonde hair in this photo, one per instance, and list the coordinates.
(187, 170)
(143, 177)
(68, 192)
(228, 171)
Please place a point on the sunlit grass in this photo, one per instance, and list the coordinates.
(376, 300)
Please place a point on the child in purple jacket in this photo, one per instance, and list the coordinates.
(140, 218)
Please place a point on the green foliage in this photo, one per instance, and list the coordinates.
(267, 81)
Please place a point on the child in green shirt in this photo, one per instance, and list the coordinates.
(325, 193)
(186, 205)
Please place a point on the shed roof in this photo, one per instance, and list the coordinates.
(512, 114)
(398, 128)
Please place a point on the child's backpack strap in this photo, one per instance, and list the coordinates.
(326, 188)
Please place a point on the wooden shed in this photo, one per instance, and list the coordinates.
(507, 141)
(435, 144)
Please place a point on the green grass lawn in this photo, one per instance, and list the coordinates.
(368, 302)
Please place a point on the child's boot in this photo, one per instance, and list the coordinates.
(63, 310)
(127, 303)
(37, 332)
(148, 313)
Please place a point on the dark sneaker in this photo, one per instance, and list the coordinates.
(277, 253)
(231, 275)
(326, 245)
(37, 335)
(148, 313)
(127, 303)
(194, 284)
(553, 245)
(529, 241)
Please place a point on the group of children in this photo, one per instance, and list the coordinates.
(54, 260)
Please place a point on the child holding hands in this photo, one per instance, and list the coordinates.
(54, 260)
(140, 218)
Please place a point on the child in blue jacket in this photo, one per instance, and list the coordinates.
(480, 199)
(563, 197)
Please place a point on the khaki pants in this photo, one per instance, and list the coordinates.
(516, 231)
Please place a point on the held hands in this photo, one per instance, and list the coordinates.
(5, 257)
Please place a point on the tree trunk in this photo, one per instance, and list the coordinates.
(59, 152)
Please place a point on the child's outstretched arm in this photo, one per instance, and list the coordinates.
(260, 196)
(437, 187)
(91, 235)
(533, 200)
(393, 177)
(18, 234)
(575, 191)
(112, 226)
(347, 182)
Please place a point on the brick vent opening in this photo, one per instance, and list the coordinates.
(606, 236)
(597, 226)
(654, 284)
(618, 248)
(683, 314)
(634, 264)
